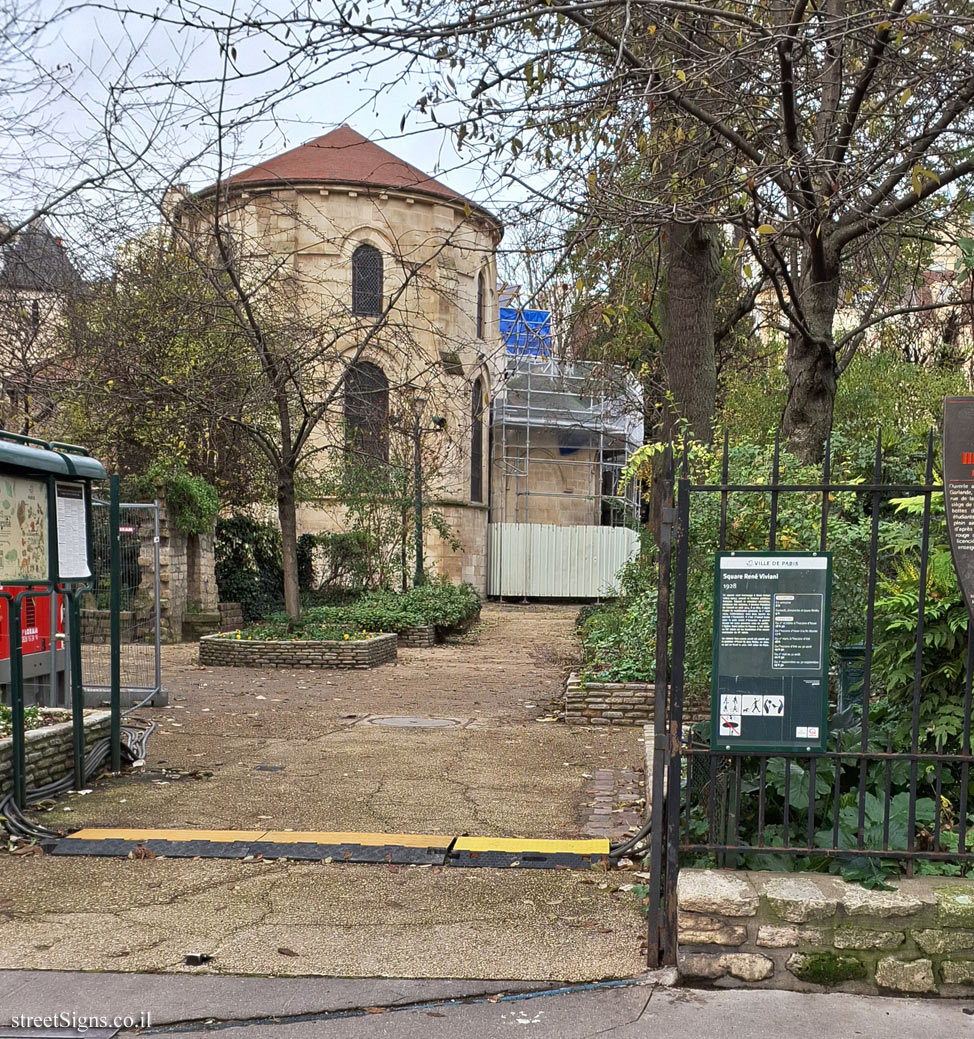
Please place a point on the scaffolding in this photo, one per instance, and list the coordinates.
(561, 434)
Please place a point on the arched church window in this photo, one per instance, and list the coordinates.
(367, 411)
(477, 441)
(367, 281)
(481, 304)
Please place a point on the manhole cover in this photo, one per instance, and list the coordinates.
(405, 721)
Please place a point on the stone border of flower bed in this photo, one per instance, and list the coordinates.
(220, 651)
(422, 636)
(613, 703)
(50, 750)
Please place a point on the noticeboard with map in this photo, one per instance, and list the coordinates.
(23, 530)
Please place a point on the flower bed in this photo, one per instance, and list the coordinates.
(449, 609)
(49, 748)
(34, 718)
(256, 647)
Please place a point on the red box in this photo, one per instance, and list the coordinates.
(35, 622)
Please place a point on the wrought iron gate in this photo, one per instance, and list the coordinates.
(721, 805)
(140, 618)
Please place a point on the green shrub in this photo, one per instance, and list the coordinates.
(306, 561)
(249, 569)
(941, 716)
(447, 606)
(619, 640)
(280, 628)
(192, 504)
(33, 719)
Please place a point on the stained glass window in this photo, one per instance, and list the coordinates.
(367, 411)
(367, 281)
(481, 304)
(477, 441)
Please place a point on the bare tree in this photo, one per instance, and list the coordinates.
(818, 132)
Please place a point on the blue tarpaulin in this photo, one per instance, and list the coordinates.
(526, 331)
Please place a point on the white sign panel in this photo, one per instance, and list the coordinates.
(72, 531)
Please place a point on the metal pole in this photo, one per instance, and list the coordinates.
(157, 592)
(657, 802)
(418, 488)
(115, 606)
(17, 702)
(77, 690)
(52, 612)
(404, 527)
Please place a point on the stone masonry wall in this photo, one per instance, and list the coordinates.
(612, 703)
(421, 637)
(810, 932)
(231, 616)
(187, 571)
(135, 625)
(223, 652)
(49, 751)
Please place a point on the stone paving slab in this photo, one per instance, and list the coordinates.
(292, 919)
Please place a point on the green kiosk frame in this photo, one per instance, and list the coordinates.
(45, 550)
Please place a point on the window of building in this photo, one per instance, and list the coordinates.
(481, 304)
(367, 411)
(477, 441)
(367, 281)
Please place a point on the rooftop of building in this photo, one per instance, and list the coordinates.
(344, 156)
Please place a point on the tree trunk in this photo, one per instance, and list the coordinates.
(287, 517)
(691, 260)
(692, 264)
(810, 367)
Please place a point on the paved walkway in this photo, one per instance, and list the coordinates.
(302, 1008)
(301, 750)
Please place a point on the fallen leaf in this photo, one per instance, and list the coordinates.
(284, 951)
(375, 1010)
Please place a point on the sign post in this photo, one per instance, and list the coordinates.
(769, 687)
(959, 489)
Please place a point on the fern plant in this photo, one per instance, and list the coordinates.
(944, 647)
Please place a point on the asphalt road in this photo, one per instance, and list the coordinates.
(231, 1007)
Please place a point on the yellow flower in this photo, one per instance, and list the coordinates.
(346, 636)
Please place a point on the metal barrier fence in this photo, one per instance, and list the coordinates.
(816, 807)
(139, 608)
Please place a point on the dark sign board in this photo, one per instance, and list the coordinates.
(769, 688)
(959, 488)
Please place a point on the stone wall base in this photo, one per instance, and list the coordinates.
(613, 703)
(50, 751)
(231, 616)
(136, 625)
(196, 625)
(809, 932)
(421, 637)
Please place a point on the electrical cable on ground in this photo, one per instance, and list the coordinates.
(18, 825)
(616, 851)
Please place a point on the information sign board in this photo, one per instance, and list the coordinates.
(72, 531)
(769, 687)
(23, 530)
(959, 489)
